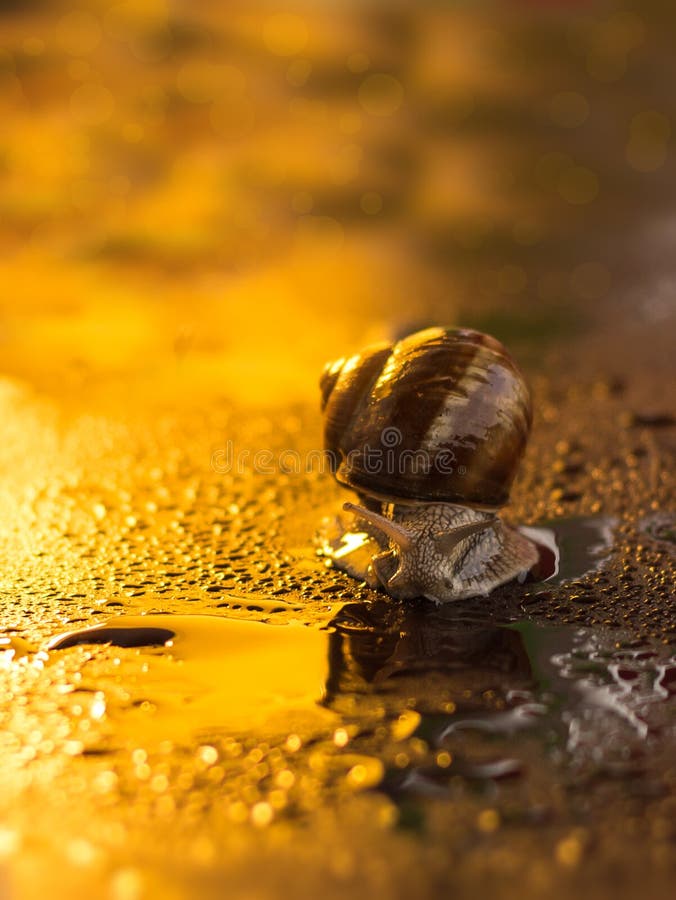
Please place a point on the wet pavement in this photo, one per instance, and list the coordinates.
(199, 209)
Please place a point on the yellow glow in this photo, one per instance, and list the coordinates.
(229, 673)
(568, 852)
(201, 204)
(488, 820)
(285, 34)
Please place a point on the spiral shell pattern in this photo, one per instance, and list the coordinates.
(440, 416)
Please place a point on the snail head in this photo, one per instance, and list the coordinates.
(404, 567)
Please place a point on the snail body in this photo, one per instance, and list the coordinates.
(429, 432)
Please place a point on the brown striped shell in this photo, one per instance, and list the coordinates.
(440, 416)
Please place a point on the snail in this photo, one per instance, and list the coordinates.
(429, 432)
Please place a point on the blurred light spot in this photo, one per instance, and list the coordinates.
(105, 781)
(9, 842)
(142, 771)
(159, 783)
(358, 62)
(568, 109)
(302, 202)
(488, 821)
(262, 814)
(366, 773)
(590, 280)
(78, 33)
(578, 185)
(444, 759)
(340, 737)
(298, 72)
(381, 95)
(33, 46)
(285, 779)
(649, 135)
(293, 743)
(126, 884)
(285, 34)
(92, 103)
(80, 852)
(388, 815)
(371, 203)
(568, 852)
(208, 754)
(97, 710)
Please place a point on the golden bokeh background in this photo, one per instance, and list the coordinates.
(200, 204)
(251, 189)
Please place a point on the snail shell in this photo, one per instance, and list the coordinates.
(430, 432)
(450, 408)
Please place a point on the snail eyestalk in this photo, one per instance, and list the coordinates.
(449, 540)
(393, 531)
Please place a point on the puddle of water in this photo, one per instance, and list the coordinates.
(471, 694)
(571, 548)
(213, 673)
(592, 706)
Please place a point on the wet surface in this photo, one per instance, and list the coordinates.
(571, 548)
(176, 273)
(596, 703)
(225, 674)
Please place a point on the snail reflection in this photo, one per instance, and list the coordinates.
(239, 673)
(414, 654)
(429, 432)
(602, 705)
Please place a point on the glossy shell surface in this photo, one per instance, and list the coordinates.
(440, 416)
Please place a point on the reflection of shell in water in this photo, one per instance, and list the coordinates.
(418, 644)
